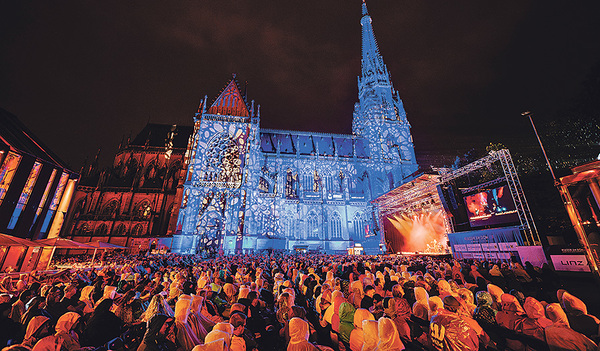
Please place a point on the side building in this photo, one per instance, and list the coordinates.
(131, 202)
(248, 188)
(36, 188)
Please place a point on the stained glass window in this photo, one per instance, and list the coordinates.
(336, 226)
(7, 172)
(25, 194)
(55, 201)
(359, 226)
(44, 197)
(313, 225)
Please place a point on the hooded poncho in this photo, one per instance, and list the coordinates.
(356, 336)
(346, 314)
(560, 336)
(370, 335)
(389, 339)
(579, 319)
(64, 335)
(299, 333)
(185, 335)
(421, 306)
(31, 335)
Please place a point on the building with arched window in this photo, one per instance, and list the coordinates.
(247, 188)
(131, 202)
(36, 188)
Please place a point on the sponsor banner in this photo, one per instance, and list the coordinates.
(467, 255)
(473, 247)
(489, 247)
(571, 263)
(510, 246)
(491, 255)
(460, 247)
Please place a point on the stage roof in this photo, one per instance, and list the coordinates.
(408, 193)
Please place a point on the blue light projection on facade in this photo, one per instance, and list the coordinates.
(248, 188)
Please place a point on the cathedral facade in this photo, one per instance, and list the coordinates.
(247, 188)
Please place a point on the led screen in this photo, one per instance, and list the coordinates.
(492, 207)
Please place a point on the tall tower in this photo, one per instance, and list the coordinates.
(379, 114)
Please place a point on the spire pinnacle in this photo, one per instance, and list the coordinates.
(372, 62)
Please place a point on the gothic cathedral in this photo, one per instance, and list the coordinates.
(247, 189)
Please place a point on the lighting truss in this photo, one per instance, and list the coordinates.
(510, 175)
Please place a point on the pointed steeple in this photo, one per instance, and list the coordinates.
(230, 102)
(373, 69)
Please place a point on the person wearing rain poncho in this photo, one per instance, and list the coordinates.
(157, 305)
(579, 319)
(435, 306)
(512, 313)
(65, 337)
(389, 339)
(357, 335)
(86, 303)
(496, 293)
(222, 331)
(102, 326)
(420, 308)
(370, 335)
(299, 334)
(484, 313)
(200, 324)
(448, 330)
(158, 336)
(346, 314)
(535, 323)
(185, 335)
(37, 329)
(560, 337)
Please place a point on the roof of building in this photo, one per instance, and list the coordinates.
(156, 135)
(311, 143)
(18, 137)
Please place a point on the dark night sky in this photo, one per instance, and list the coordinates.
(81, 74)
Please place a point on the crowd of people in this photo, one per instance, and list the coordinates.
(279, 301)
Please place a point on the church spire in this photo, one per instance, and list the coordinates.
(374, 71)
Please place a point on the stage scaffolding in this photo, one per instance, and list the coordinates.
(423, 189)
(528, 227)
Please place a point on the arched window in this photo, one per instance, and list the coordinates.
(101, 230)
(79, 208)
(138, 230)
(359, 226)
(110, 208)
(288, 226)
(143, 210)
(173, 176)
(336, 225)
(120, 229)
(313, 225)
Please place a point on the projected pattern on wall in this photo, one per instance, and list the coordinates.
(248, 188)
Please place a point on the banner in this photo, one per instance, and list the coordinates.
(570, 263)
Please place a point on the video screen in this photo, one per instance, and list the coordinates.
(491, 208)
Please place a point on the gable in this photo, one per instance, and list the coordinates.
(230, 102)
